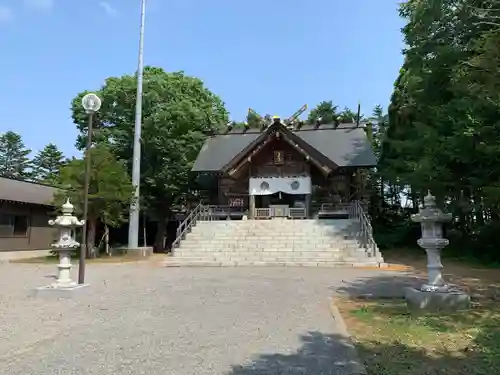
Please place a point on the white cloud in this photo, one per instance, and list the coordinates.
(108, 8)
(6, 14)
(39, 4)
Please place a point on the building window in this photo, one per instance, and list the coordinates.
(13, 225)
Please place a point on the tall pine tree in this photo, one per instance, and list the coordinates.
(14, 161)
(47, 164)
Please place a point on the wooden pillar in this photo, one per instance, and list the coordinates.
(251, 211)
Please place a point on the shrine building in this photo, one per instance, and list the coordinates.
(285, 170)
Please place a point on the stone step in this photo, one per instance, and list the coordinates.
(246, 254)
(270, 231)
(282, 258)
(205, 263)
(269, 243)
(266, 247)
(305, 243)
(270, 259)
(273, 259)
(294, 237)
(212, 255)
(268, 223)
(277, 239)
(282, 223)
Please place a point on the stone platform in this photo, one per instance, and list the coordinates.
(50, 291)
(275, 243)
(436, 301)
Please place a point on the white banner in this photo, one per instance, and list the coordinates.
(272, 185)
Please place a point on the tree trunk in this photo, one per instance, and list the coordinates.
(92, 228)
(159, 245)
(106, 240)
(144, 232)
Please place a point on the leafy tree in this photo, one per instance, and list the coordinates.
(347, 116)
(178, 112)
(253, 120)
(443, 121)
(325, 112)
(14, 161)
(110, 190)
(47, 163)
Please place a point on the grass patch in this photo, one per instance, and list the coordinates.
(393, 341)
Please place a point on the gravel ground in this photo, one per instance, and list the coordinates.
(138, 318)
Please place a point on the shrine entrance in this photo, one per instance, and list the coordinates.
(279, 197)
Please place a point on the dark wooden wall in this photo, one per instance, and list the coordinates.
(38, 236)
(341, 185)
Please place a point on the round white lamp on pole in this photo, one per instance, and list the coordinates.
(91, 103)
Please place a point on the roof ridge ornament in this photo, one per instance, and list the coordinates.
(293, 119)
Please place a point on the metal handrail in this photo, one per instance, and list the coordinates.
(364, 234)
(185, 226)
(201, 213)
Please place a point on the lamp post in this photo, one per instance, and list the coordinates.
(133, 229)
(91, 103)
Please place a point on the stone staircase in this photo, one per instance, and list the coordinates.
(276, 242)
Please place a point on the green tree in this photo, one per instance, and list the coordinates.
(443, 120)
(47, 164)
(253, 120)
(110, 191)
(348, 116)
(14, 160)
(325, 112)
(178, 112)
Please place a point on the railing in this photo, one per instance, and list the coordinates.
(226, 211)
(364, 232)
(297, 213)
(201, 212)
(291, 213)
(262, 213)
(205, 213)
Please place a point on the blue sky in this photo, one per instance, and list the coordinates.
(271, 55)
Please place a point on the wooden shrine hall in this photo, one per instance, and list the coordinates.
(284, 169)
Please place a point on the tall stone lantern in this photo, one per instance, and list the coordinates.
(431, 220)
(435, 294)
(66, 224)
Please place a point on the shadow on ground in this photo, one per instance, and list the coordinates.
(318, 355)
(480, 284)
(479, 281)
(390, 285)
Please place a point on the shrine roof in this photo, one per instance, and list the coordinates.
(26, 192)
(346, 145)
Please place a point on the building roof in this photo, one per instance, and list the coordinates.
(26, 192)
(345, 145)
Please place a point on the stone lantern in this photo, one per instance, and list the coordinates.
(66, 224)
(435, 294)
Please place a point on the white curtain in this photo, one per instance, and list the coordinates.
(272, 185)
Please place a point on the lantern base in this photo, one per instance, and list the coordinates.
(417, 299)
(52, 291)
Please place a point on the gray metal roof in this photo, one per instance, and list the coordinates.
(26, 192)
(219, 150)
(346, 145)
